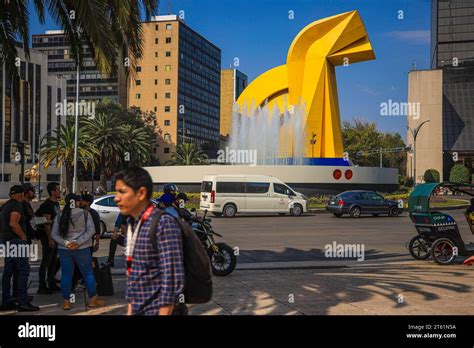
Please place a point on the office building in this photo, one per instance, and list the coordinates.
(179, 80)
(233, 82)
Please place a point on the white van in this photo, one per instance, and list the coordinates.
(231, 194)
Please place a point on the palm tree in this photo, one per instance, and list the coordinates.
(187, 155)
(138, 146)
(108, 136)
(105, 26)
(59, 147)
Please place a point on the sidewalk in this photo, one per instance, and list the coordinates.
(398, 286)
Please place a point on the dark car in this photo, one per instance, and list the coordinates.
(356, 203)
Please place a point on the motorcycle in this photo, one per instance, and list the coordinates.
(221, 255)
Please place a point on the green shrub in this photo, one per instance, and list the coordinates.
(431, 176)
(459, 174)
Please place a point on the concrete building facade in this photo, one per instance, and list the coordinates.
(179, 80)
(233, 83)
(27, 119)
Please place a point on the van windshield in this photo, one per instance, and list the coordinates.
(206, 186)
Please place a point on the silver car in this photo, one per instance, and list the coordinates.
(108, 212)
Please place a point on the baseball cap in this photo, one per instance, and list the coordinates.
(15, 189)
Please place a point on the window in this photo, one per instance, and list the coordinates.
(139, 68)
(206, 186)
(107, 202)
(283, 190)
(139, 82)
(156, 67)
(168, 82)
(168, 67)
(169, 26)
(168, 40)
(156, 81)
(230, 187)
(156, 26)
(167, 122)
(167, 95)
(137, 95)
(373, 196)
(168, 53)
(167, 150)
(257, 187)
(156, 54)
(156, 41)
(167, 108)
(155, 109)
(156, 95)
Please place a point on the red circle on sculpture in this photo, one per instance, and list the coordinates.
(337, 174)
(348, 174)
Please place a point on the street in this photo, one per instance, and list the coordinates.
(282, 269)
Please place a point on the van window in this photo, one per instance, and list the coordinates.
(230, 187)
(283, 189)
(206, 186)
(257, 187)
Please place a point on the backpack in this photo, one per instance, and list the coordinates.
(197, 267)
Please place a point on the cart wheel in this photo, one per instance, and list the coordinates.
(442, 251)
(419, 248)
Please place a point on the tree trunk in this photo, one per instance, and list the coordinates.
(102, 180)
(69, 177)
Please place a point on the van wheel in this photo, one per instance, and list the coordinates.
(297, 210)
(217, 214)
(230, 210)
(355, 212)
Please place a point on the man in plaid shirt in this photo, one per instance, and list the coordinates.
(156, 279)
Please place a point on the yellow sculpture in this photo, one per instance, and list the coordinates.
(309, 78)
(32, 173)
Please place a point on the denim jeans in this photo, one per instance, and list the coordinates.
(49, 265)
(83, 259)
(19, 268)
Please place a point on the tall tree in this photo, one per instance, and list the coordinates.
(107, 27)
(59, 147)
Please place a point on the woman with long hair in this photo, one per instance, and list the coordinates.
(73, 231)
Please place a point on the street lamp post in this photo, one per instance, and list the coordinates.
(414, 132)
(76, 129)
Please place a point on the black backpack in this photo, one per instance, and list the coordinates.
(197, 267)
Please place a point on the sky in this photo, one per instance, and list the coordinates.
(259, 33)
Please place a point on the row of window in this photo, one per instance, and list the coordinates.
(168, 26)
(167, 40)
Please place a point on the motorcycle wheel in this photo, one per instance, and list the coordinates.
(223, 261)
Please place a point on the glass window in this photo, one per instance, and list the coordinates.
(156, 67)
(167, 150)
(156, 54)
(167, 95)
(138, 96)
(206, 186)
(283, 189)
(257, 187)
(168, 53)
(139, 68)
(156, 41)
(168, 67)
(168, 40)
(156, 26)
(139, 82)
(167, 122)
(167, 108)
(156, 81)
(167, 81)
(230, 187)
(169, 26)
(373, 196)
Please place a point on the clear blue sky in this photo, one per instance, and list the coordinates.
(259, 33)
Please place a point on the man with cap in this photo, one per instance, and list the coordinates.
(14, 231)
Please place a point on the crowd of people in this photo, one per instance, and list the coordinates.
(70, 236)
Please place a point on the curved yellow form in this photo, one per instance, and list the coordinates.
(309, 78)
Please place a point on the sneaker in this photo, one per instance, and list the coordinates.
(9, 306)
(66, 305)
(28, 308)
(96, 302)
(44, 291)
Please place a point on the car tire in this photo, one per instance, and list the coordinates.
(394, 211)
(338, 215)
(103, 229)
(297, 210)
(355, 212)
(229, 210)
